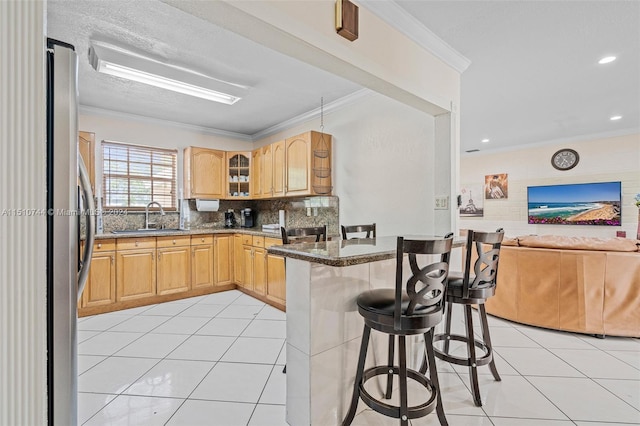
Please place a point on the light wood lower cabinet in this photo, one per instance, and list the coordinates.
(101, 285)
(136, 274)
(126, 271)
(238, 264)
(173, 265)
(202, 262)
(223, 259)
(276, 279)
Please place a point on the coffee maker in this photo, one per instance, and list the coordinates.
(246, 219)
(229, 219)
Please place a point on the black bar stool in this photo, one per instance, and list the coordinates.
(408, 309)
(477, 284)
(369, 229)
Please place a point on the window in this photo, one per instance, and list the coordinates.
(133, 176)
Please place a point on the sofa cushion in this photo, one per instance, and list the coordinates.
(578, 243)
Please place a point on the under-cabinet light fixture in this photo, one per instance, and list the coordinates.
(120, 63)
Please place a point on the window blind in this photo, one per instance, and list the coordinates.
(133, 176)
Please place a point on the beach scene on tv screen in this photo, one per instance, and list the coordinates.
(576, 204)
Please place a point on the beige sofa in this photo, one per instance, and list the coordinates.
(585, 285)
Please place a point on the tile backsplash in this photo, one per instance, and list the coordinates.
(299, 212)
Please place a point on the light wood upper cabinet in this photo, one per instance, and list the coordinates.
(257, 173)
(279, 159)
(87, 150)
(101, 284)
(266, 176)
(204, 173)
(239, 175)
(223, 259)
(308, 164)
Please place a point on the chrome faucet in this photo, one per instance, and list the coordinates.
(146, 210)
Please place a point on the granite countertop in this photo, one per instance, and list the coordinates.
(199, 231)
(348, 252)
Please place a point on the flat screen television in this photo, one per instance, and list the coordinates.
(575, 204)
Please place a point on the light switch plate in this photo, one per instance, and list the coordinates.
(442, 202)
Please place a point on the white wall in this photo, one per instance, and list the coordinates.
(23, 238)
(152, 133)
(383, 163)
(601, 160)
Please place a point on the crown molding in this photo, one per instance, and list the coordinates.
(567, 140)
(310, 115)
(394, 15)
(86, 109)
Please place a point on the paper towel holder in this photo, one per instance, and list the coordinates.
(204, 205)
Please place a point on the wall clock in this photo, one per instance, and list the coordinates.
(565, 159)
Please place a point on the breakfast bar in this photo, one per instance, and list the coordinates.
(323, 281)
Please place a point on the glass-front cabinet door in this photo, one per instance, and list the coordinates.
(239, 170)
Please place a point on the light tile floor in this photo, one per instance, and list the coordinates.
(218, 359)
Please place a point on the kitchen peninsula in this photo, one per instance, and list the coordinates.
(323, 325)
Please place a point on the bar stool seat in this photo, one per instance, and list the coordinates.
(411, 309)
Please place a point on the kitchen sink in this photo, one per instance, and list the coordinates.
(143, 230)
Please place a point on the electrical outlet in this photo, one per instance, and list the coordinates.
(442, 202)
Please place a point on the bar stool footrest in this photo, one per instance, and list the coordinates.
(454, 359)
(414, 412)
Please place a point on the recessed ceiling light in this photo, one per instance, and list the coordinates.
(485, 140)
(607, 59)
(615, 117)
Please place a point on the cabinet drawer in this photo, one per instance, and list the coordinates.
(135, 243)
(104, 245)
(175, 241)
(268, 242)
(247, 240)
(201, 240)
(258, 241)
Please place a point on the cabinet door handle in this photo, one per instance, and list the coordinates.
(159, 256)
(202, 240)
(137, 243)
(99, 245)
(152, 256)
(113, 259)
(174, 242)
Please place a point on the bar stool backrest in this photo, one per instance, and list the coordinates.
(292, 235)
(485, 268)
(369, 229)
(426, 285)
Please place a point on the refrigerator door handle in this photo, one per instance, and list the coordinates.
(90, 214)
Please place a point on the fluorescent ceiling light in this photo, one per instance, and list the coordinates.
(615, 117)
(118, 62)
(607, 59)
(485, 140)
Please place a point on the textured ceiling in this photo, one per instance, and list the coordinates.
(281, 87)
(533, 78)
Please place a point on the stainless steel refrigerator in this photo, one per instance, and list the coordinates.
(69, 203)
